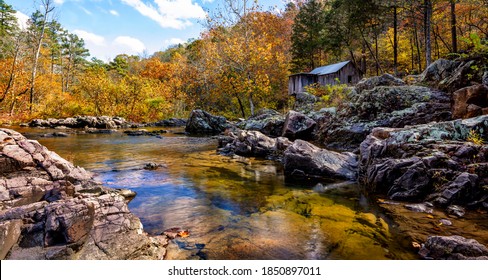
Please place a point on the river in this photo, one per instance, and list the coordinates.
(234, 208)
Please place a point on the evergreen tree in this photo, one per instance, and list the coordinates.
(8, 21)
(8, 28)
(307, 37)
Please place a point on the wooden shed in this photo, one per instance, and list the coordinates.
(346, 72)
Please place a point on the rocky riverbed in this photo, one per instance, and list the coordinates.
(423, 143)
(418, 146)
(51, 209)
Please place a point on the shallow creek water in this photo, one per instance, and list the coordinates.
(234, 208)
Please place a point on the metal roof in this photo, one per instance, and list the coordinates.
(328, 69)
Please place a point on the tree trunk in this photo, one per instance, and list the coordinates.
(417, 45)
(395, 40)
(427, 27)
(412, 52)
(453, 27)
(47, 9)
(376, 54)
(11, 79)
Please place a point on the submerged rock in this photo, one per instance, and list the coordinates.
(50, 209)
(305, 159)
(201, 122)
(453, 248)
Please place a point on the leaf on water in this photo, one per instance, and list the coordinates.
(184, 233)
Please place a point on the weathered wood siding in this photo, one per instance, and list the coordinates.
(346, 75)
(297, 83)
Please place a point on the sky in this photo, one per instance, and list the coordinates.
(134, 27)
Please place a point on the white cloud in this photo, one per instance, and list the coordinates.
(22, 19)
(59, 2)
(172, 42)
(114, 12)
(90, 38)
(169, 13)
(207, 1)
(131, 45)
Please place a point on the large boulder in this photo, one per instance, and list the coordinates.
(51, 209)
(470, 102)
(382, 106)
(383, 80)
(434, 162)
(438, 71)
(298, 126)
(304, 102)
(377, 103)
(253, 143)
(450, 75)
(453, 248)
(267, 121)
(461, 77)
(305, 159)
(201, 122)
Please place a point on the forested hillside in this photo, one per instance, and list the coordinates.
(239, 64)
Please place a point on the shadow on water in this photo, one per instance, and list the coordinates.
(234, 208)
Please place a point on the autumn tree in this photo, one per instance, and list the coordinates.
(37, 29)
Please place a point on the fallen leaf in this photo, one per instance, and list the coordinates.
(184, 233)
(430, 216)
(416, 245)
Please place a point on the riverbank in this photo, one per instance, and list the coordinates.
(51, 209)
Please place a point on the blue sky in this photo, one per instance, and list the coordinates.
(111, 27)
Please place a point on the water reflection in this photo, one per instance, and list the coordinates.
(235, 208)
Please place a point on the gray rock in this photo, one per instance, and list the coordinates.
(456, 210)
(51, 209)
(9, 236)
(103, 122)
(172, 122)
(459, 78)
(426, 162)
(298, 126)
(453, 248)
(201, 122)
(269, 122)
(439, 70)
(254, 143)
(383, 80)
(304, 102)
(420, 207)
(305, 159)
